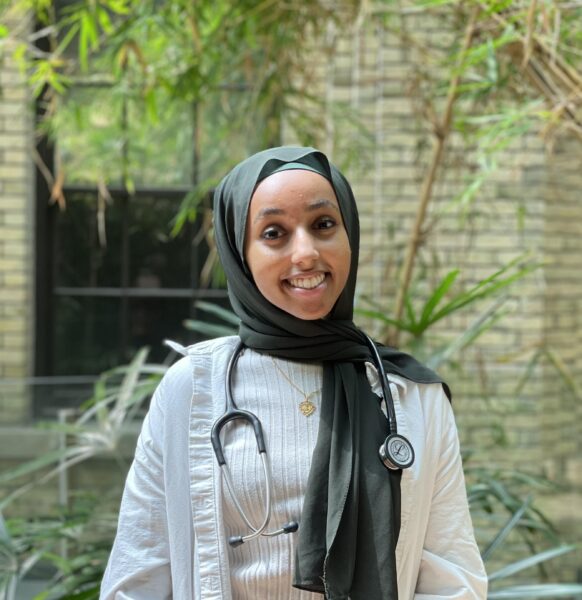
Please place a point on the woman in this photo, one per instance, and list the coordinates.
(287, 232)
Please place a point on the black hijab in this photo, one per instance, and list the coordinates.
(351, 512)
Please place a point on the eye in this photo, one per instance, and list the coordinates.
(272, 233)
(325, 223)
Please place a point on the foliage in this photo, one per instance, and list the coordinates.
(71, 546)
(493, 493)
(76, 542)
(177, 92)
(113, 74)
(520, 70)
(441, 304)
(138, 93)
(117, 398)
(228, 325)
(85, 530)
(506, 68)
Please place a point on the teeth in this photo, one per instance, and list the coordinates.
(307, 283)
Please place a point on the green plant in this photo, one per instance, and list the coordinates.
(443, 302)
(494, 495)
(76, 539)
(71, 547)
(118, 396)
(124, 81)
(516, 70)
(496, 498)
(228, 321)
(500, 70)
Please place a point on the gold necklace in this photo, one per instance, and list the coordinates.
(306, 407)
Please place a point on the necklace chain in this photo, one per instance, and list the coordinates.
(306, 407)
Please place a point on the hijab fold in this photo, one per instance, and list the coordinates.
(351, 512)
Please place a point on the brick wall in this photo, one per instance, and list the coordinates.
(530, 203)
(561, 431)
(16, 241)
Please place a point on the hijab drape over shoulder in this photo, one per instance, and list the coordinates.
(351, 513)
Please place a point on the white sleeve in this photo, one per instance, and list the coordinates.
(139, 564)
(451, 566)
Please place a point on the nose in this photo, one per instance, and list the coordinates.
(304, 251)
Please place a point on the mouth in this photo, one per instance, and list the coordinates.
(306, 283)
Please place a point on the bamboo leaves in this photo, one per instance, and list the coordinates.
(229, 325)
(437, 307)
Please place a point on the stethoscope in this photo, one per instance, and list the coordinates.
(396, 452)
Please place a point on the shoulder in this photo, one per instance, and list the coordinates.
(177, 385)
(428, 419)
(209, 358)
(429, 399)
(213, 346)
(180, 373)
(425, 397)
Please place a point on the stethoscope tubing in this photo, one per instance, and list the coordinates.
(388, 400)
(395, 453)
(232, 413)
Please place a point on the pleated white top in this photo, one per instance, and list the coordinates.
(263, 568)
(169, 542)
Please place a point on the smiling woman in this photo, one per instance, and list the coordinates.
(349, 446)
(296, 247)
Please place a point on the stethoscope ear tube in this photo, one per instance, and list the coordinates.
(232, 415)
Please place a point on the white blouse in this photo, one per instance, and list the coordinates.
(176, 515)
(263, 568)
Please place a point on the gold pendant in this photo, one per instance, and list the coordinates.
(307, 408)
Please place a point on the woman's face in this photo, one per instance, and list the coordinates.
(296, 245)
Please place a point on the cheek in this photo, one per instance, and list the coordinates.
(259, 261)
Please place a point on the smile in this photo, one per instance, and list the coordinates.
(306, 283)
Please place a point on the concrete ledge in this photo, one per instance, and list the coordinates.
(26, 443)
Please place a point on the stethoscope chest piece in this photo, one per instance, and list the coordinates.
(396, 452)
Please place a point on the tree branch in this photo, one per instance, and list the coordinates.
(441, 133)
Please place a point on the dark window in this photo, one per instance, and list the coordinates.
(110, 276)
(128, 286)
(119, 281)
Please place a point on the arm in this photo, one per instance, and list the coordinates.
(451, 565)
(139, 565)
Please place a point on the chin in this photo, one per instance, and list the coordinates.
(313, 315)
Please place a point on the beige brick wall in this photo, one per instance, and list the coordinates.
(537, 428)
(16, 242)
(562, 422)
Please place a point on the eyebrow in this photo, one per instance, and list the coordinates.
(318, 204)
